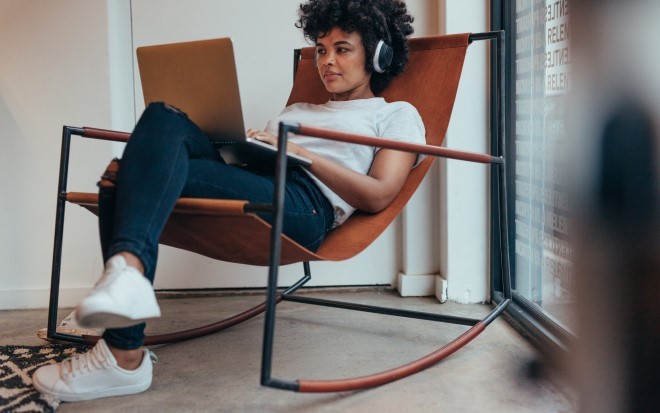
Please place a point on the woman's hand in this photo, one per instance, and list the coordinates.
(272, 140)
(262, 136)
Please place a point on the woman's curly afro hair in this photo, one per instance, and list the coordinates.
(372, 19)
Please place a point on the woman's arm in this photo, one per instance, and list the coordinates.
(369, 193)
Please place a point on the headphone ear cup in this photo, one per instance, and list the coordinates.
(383, 56)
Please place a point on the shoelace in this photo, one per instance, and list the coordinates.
(91, 361)
(85, 363)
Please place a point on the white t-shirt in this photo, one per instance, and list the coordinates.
(372, 117)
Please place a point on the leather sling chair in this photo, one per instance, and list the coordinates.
(429, 83)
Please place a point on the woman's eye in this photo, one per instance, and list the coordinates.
(320, 51)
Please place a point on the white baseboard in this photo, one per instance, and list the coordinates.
(415, 285)
(441, 288)
(39, 298)
(408, 285)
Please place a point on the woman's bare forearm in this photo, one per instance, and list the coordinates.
(369, 193)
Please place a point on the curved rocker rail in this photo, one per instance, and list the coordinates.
(388, 376)
(324, 386)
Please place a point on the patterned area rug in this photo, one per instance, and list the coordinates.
(17, 363)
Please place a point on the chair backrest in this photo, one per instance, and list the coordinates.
(429, 83)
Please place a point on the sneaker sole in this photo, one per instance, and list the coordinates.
(111, 320)
(101, 316)
(117, 391)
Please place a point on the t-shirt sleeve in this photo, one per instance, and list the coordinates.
(272, 127)
(404, 124)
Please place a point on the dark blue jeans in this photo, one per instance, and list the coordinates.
(169, 157)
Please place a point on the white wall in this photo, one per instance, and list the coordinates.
(69, 62)
(454, 265)
(53, 71)
(464, 190)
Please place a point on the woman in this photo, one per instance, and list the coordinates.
(168, 157)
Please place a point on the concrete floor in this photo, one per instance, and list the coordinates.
(220, 373)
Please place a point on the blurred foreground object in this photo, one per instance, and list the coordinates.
(618, 267)
(617, 237)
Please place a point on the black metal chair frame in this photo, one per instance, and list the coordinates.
(495, 159)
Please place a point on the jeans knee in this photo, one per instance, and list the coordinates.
(164, 106)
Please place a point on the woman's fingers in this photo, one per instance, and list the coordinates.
(252, 132)
(262, 136)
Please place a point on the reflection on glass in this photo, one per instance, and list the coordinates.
(543, 270)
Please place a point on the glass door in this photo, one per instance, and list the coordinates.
(537, 81)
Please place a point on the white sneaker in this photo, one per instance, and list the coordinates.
(121, 298)
(93, 375)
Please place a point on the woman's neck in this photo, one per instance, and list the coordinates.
(358, 93)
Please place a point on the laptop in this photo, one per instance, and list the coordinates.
(200, 79)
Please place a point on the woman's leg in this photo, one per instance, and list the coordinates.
(130, 358)
(153, 172)
(133, 211)
(172, 158)
(132, 215)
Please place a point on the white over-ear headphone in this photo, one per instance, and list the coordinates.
(383, 56)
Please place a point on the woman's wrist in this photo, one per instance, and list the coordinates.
(306, 153)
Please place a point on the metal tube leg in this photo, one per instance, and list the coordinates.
(275, 250)
(55, 272)
(59, 231)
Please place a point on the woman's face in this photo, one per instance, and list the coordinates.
(341, 64)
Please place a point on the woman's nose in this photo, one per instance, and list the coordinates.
(329, 58)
